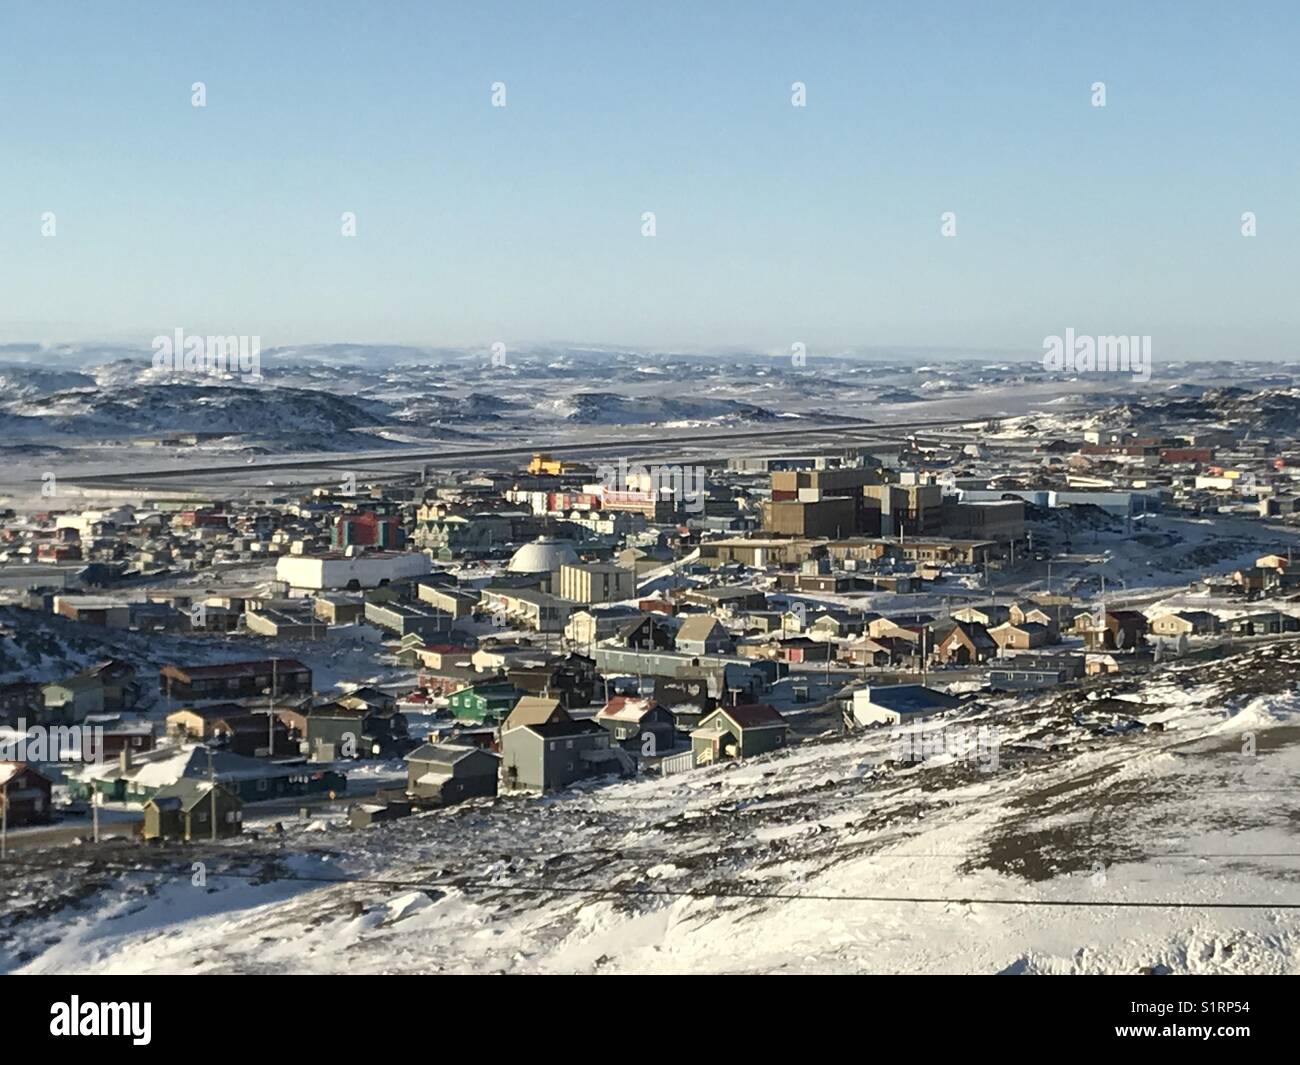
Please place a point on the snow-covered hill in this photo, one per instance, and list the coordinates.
(1112, 828)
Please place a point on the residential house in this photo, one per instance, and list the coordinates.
(20, 701)
(528, 608)
(402, 619)
(1184, 623)
(885, 651)
(456, 602)
(588, 626)
(966, 643)
(903, 626)
(1264, 623)
(187, 810)
(740, 679)
(535, 710)
(1042, 615)
(688, 698)
(893, 704)
(738, 732)
(731, 598)
(639, 725)
(988, 615)
(336, 608)
(121, 689)
(282, 625)
(1035, 671)
(93, 610)
(554, 755)
(1010, 636)
(838, 623)
(448, 773)
(797, 649)
(68, 702)
(433, 656)
(342, 729)
(137, 778)
(1120, 630)
(24, 795)
(649, 633)
(703, 634)
(494, 656)
(481, 703)
(572, 679)
(1098, 664)
(234, 680)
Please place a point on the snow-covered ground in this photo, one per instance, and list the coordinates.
(1111, 832)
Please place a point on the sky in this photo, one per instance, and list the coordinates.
(773, 224)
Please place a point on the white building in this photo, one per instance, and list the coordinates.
(87, 520)
(894, 704)
(305, 573)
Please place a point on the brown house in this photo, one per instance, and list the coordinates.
(882, 651)
(966, 643)
(1021, 637)
(24, 794)
(1120, 630)
(234, 680)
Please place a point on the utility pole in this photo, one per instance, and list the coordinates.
(212, 791)
(4, 820)
(270, 711)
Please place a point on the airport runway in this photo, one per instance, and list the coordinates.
(631, 448)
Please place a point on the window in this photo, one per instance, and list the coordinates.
(568, 745)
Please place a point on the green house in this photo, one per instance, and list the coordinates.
(484, 704)
(739, 732)
(188, 809)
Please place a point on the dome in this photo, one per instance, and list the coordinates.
(544, 555)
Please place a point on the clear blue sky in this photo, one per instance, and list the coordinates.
(775, 224)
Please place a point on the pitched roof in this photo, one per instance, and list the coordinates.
(445, 754)
(535, 710)
(561, 729)
(975, 632)
(626, 708)
(754, 715)
(699, 627)
(186, 794)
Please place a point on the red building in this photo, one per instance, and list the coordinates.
(1186, 454)
(56, 552)
(365, 528)
(202, 518)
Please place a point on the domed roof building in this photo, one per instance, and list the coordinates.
(544, 555)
